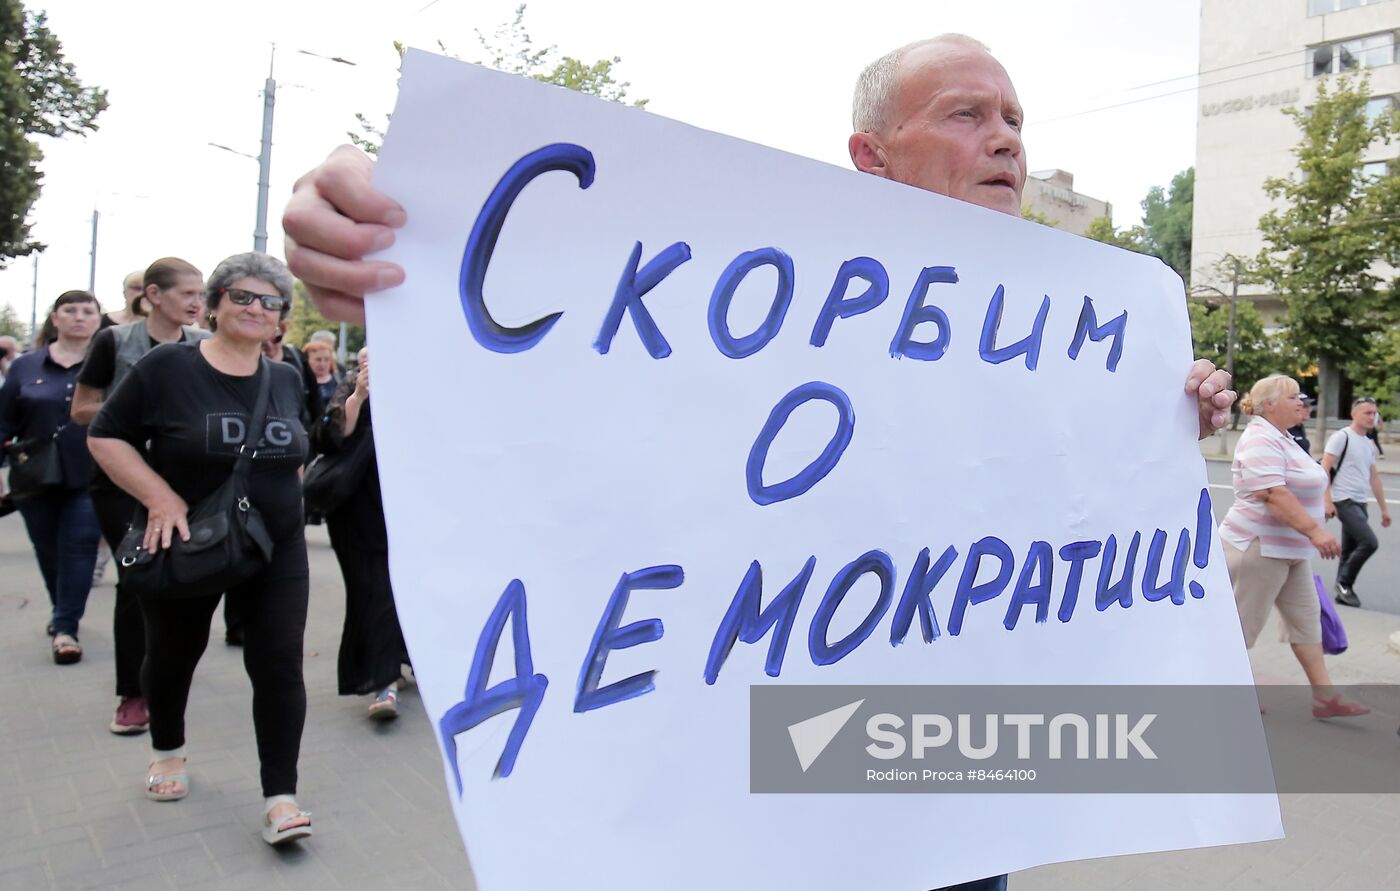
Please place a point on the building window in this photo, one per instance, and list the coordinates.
(1377, 106)
(1374, 170)
(1323, 7)
(1347, 55)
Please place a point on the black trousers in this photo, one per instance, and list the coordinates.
(1358, 540)
(274, 624)
(114, 510)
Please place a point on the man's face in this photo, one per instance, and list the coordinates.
(1364, 414)
(955, 128)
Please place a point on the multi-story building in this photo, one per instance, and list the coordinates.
(1051, 194)
(1257, 58)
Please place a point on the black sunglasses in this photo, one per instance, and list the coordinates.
(270, 302)
(1366, 399)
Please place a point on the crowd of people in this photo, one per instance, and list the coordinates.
(122, 428)
(167, 405)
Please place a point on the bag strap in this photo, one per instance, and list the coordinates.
(256, 420)
(1346, 441)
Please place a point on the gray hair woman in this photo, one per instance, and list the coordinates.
(192, 402)
(1272, 530)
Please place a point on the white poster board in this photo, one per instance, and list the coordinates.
(534, 462)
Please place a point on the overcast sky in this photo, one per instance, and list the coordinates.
(180, 75)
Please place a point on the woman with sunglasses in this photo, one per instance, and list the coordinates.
(192, 403)
(35, 405)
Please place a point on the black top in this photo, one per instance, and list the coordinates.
(1300, 436)
(194, 417)
(34, 402)
(99, 368)
(359, 522)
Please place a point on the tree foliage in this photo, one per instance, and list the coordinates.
(1036, 217)
(1380, 375)
(1165, 232)
(1166, 222)
(40, 95)
(304, 319)
(511, 49)
(12, 325)
(1102, 229)
(1329, 229)
(1257, 354)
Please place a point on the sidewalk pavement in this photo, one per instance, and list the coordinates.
(72, 815)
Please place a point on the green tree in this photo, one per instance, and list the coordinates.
(1256, 353)
(11, 325)
(1381, 375)
(1102, 229)
(1166, 222)
(1036, 217)
(1331, 226)
(40, 95)
(304, 319)
(511, 49)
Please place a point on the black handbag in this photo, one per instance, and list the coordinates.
(35, 467)
(331, 478)
(229, 542)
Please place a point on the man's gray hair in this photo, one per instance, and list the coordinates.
(875, 88)
(248, 265)
(322, 335)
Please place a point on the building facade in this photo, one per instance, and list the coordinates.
(1257, 58)
(1051, 194)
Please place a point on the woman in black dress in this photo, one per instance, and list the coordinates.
(168, 435)
(372, 651)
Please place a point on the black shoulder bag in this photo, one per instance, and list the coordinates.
(35, 467)
(332, 477)
(229, 543)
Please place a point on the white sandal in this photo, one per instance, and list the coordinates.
(281, 833)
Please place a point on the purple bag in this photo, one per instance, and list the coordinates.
(1334, 636)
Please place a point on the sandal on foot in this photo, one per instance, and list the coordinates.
(385, 706)
(182, 778)
(1335, 708)
(66, 650)
(280, 833)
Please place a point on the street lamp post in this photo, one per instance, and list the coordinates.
(265, 156)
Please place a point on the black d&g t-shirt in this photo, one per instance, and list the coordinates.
(195, 417)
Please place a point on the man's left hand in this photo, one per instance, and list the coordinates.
(1385, 518)
(1211, 387)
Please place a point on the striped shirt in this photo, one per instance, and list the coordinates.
(1265, 458)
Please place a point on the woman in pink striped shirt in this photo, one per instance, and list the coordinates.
(1273, 529)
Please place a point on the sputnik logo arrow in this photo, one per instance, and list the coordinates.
(811, 737)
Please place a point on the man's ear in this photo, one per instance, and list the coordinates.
(867, 155)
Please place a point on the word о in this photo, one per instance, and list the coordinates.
(888, 743)
(637, 280)
(747, 620)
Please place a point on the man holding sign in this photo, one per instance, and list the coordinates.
(940, 115)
